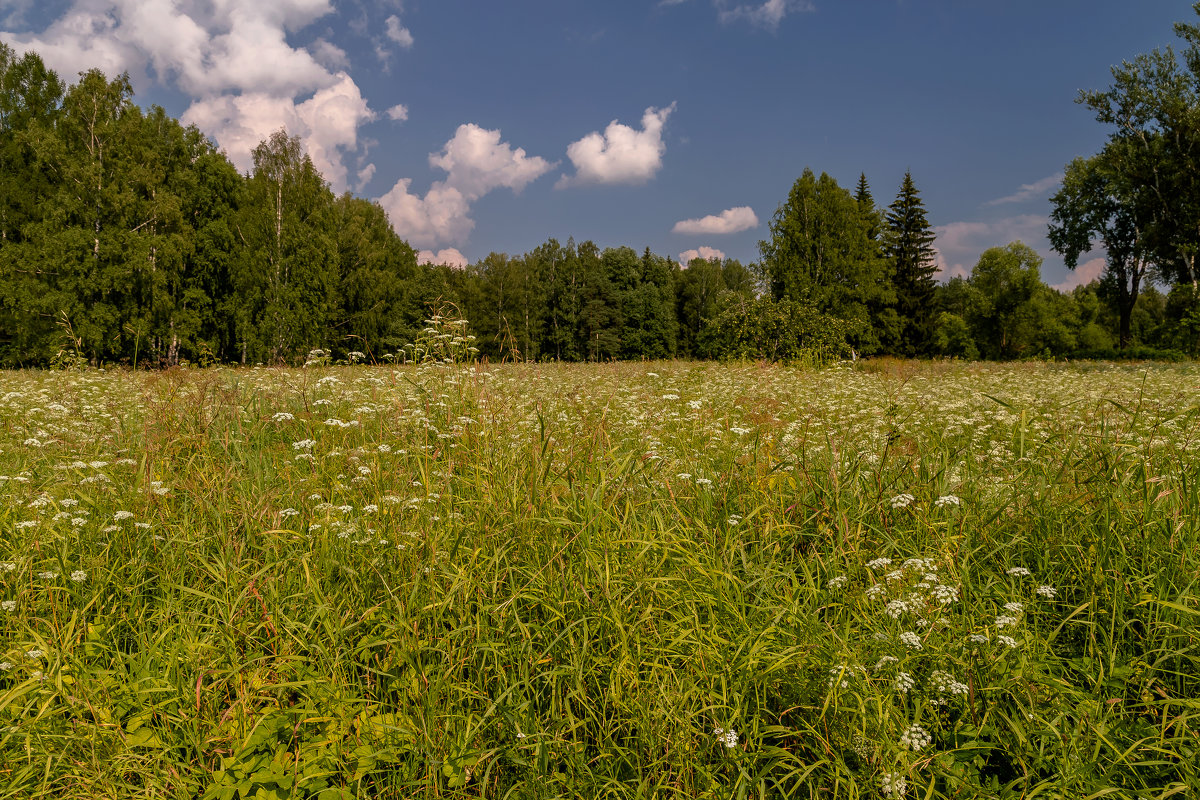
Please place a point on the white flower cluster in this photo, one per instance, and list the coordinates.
(838, 582)
(911, 640)
(902, 500)
(915, 738)
(946, 683)
(904, 682)
(893, 784)
(947, 500)
(729, 737)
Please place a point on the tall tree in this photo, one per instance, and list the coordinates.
(820, 252)
(287, 274)
(1093, 205)
(909, 245)
(1153, 108)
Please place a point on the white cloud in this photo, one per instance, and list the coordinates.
(621, 154)
(1029, 191)
(397, 32)
(231, 57)
(398, 112)
(364, 177)
(769, 14)
(327, 123)
(959, 244)
(450, 257)
(442, 215)
(476, 162)
(731, 220)
(707, 253)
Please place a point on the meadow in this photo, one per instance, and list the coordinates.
(879, 579)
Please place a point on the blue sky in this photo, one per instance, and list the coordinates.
(677, 124)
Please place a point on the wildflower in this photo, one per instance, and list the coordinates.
(729, 738)
(911, 640)
(895, 608)
(893, 783)
(282, 416)
(879, 563)
(915, 738)
(1007, 641)
(120, 515)
(5, 666)
(978, 638)
(1018, 572)
(838, 582)
(78, 576)
(947, 500)
(884, 661)
(902, 501)
(1047, 591)
(876, 591)
(945, 595)
(1004, 621)
(7, 566)
(946, 683)
(34, 654)
(303, 444)
(8, 605)
(734, 519)
(288, 512)
(904, 682)
(1014, 608)
(47, 575)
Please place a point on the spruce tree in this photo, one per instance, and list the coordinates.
(910, 249)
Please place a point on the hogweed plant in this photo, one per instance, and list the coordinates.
(446, 580)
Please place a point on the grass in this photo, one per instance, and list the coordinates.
(659, 580)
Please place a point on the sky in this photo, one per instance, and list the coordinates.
(678, 125)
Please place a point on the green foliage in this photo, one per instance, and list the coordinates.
(783, 330)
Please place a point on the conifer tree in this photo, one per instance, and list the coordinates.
(909, 245)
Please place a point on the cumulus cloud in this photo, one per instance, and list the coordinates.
(620, 154)
(398, 112)
(959, 244)
(327, 123)
(707, 253)
(476, 162)
(1029, 191)
(731, 220)
(231, 57)
(450, 257)
(397, 32)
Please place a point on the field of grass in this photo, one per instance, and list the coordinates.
(674, 580)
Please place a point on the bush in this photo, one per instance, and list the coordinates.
(784, 331)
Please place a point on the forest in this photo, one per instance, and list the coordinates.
(129, 238)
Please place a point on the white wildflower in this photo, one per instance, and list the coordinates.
(911, 640)
(915, 738)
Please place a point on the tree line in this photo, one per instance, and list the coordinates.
(127, 237)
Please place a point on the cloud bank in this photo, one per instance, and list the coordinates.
(620, 155)
(731, 220)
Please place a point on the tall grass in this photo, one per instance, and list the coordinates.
(661, 580)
